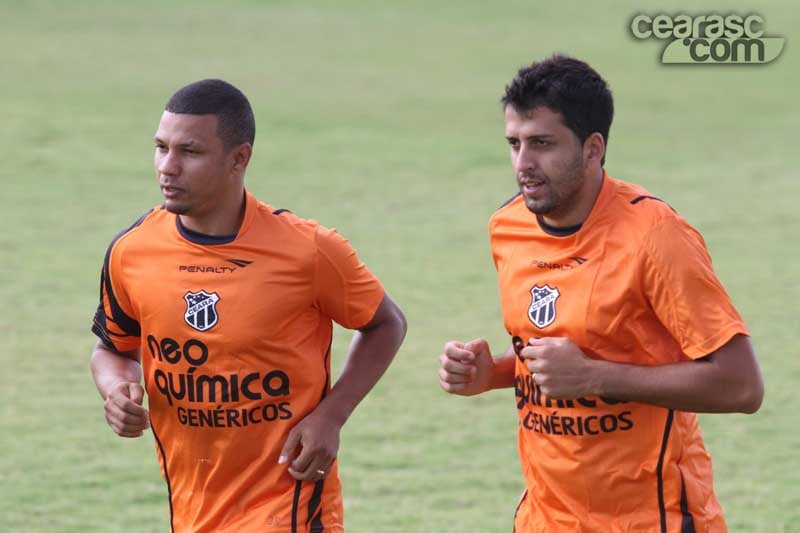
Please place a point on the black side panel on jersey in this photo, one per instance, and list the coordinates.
(166, 478)
(314, 510)
(314, 517)
(125, 323)
(687, 520)
(660, 472)
(298, 485)
(521, 501)
(327, 370)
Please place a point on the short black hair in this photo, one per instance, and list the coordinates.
(236, 123)
(568, 86)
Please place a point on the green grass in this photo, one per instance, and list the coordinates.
(382, 121)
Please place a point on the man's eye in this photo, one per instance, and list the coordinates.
(161, 147)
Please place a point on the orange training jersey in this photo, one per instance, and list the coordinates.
(235, 335)
(633, 284)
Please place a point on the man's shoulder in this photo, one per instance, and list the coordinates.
(143, 231)
(283, 217)
(285, 221)
(512, 211)
(633, 208)
(644, 223)
(290, 228)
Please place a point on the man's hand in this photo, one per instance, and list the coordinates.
(311, 447)
(124, 411)
(466, 369)
(560, 368)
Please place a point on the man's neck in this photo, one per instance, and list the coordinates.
(225, 220)
(579, 211)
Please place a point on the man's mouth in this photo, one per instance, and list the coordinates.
(532, 186)
(170, 192)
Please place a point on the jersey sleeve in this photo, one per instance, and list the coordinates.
(493, 246)
(114, 321)
(684, 291)
(344, 288)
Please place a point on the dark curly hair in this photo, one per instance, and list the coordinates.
(568, 86)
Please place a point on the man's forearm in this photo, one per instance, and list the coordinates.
(721, 383)
(371, 352)
(503, 370)
(110, 368)
(682, 386)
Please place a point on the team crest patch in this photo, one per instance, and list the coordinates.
(542, 311)
(201, 310)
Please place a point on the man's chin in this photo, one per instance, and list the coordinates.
(539, 207)
(176, 208)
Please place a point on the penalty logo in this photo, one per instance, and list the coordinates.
(201, 310)
(709, 39)
(542, 311)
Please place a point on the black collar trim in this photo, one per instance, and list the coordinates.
(557, 232)
(202, 238)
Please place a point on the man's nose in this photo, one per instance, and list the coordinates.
(526, 159)
(167, 164)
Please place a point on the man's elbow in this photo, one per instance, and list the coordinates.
(398, 326)
(396, 320)
(94, 358)
(389, 324)
(402, 323)
(743, 385)
(751, 397)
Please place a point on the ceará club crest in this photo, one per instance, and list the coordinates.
(201, 310)
(542, 311)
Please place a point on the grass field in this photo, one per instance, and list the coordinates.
(383, 121)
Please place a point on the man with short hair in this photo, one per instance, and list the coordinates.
(620, 329)
(225, 306)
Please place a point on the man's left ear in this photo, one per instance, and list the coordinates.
(594, 148)
(241, 157)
